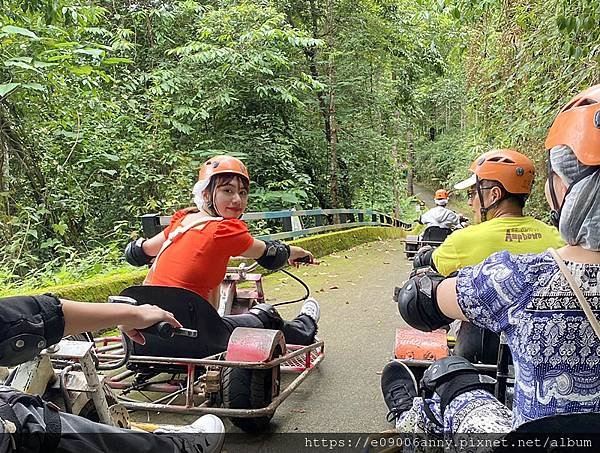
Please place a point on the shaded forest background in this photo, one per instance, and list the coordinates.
(107, 108)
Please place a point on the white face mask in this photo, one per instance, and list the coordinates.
(198, 191)
(580, 212)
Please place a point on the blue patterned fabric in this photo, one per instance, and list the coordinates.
(555, 351)
(473, 412)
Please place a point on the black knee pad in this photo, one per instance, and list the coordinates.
(270, 318)
(453, 376)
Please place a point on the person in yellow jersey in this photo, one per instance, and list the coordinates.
(498, 187)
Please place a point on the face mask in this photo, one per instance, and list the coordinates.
(555, 213)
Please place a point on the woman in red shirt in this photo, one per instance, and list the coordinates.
(193, 251)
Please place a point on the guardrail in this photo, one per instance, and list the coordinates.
(323, 220)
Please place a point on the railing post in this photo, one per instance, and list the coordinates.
(319, 220)
(361, 217)
(287, 223)
(150, 225)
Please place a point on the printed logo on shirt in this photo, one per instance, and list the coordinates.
(522, 234)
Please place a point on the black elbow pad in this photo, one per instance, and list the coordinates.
(275, 256)
(28, 325)
(135, 255)
(417, 302)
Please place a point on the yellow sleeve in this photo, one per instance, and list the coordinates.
(445, 258)
(557, 239)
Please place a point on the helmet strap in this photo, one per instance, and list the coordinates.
(213, 206)
(555, 211)
(209, 205)
(484, 209)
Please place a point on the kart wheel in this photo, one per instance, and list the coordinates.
(244, 388)
(410, 250)
(84, 406)
(89, 409)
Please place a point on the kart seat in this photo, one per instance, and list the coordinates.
(193, 312)
(435, 234)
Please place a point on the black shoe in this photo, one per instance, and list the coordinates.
(399, 388)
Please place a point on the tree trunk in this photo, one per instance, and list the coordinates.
(410, 160)
(396, 169)
(25, 161)
(331, 119)
(395, 179)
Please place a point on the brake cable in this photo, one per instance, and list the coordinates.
(306, 288)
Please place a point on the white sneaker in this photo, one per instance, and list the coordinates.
(210, 426)
(311, 309)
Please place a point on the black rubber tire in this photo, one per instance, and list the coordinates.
(411, 250)
(89, 409)
(244, 388)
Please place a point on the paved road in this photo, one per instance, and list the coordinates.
(358, 322)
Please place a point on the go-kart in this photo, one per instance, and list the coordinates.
(432, 235)
(236, 375)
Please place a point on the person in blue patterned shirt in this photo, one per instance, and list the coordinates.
(555, 350)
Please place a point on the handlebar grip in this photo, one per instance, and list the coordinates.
(305, 259)
(166, 331)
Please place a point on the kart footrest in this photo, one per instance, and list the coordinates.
(414, 344)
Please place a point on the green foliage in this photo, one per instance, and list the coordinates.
(108, 108)
(516, 64)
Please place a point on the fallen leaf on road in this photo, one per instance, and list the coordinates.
(334, 287)
(347, 303)
(298, 411)
(386, 262)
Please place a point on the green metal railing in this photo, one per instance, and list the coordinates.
(323, 219)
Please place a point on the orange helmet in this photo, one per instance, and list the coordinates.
(441, 194)
(510, 168)
(222, 164)
(578, 127)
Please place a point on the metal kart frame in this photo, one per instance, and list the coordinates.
(229, 293)
(300, 359)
